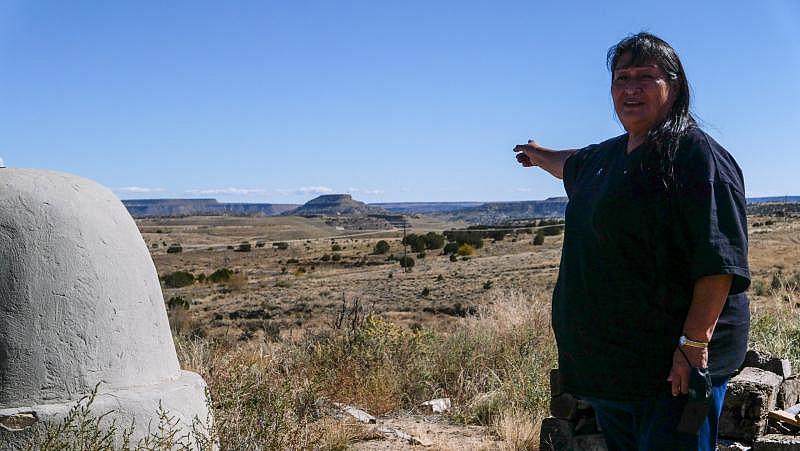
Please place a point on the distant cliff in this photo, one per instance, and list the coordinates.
(500, 212)
(146, 208)
(425, 207)
(335, 205)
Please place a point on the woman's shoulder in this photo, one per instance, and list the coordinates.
(700, 158)
(598, 150)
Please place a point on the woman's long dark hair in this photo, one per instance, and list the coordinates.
(662, 141)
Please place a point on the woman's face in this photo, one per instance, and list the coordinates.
(642, 96)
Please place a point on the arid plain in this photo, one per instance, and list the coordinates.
(303, 286)
(474, 328)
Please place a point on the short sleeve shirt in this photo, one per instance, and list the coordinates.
(630, 258)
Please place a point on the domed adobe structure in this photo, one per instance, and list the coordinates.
(81, 305)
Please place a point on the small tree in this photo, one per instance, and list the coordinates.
(178, 302)
(178, 279)
(220, 275)
(450, 248)
(433, 240)
(538, 239)
(381, 247)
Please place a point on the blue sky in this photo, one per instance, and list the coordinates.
(271, 101)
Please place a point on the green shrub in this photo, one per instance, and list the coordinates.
(381, 247)
(453, 258)
(281, 245)
(450, 248)
(178, 301)
(244, 247)
(425, 292)
(433, 240)
(174, 249)
(406, 262)
(336, 248)
(220, 275)
(538, 239)
(325, 258)
(487, 285)
(178, 279)
(471, 237)
(416, 242)
(336, 257)
(552, 230)
(421, 255)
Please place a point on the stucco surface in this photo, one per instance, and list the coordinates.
(80, 300)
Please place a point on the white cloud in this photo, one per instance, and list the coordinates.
(303, 190)
(227, 191)
(139, 190)
(373, 192)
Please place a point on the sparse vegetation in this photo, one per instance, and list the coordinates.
(178, 279)
(448, 342)
(178, 302)
(381, 247)
(406, 262)
(465, 249)
(221, 275)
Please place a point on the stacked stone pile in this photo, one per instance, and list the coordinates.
(764, 384)
(572, 424)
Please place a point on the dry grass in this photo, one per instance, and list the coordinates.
(518, 430)
(277, 393)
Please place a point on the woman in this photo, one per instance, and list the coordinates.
(654, 262)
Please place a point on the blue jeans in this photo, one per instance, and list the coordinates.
(650, 424)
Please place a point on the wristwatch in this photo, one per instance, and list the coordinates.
(683, 341)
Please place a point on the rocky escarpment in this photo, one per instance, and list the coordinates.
(501, 212)
(336, 205)
(148, 208)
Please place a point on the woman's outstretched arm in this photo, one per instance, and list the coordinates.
(552, 161)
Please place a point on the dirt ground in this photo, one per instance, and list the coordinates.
(289, 290)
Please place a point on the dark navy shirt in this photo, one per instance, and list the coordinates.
(631, 256)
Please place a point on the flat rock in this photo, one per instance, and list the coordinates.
(729, 445)
(556, 434)
(750, 396)
(789, 394)
(756, 359)
(777, 442)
